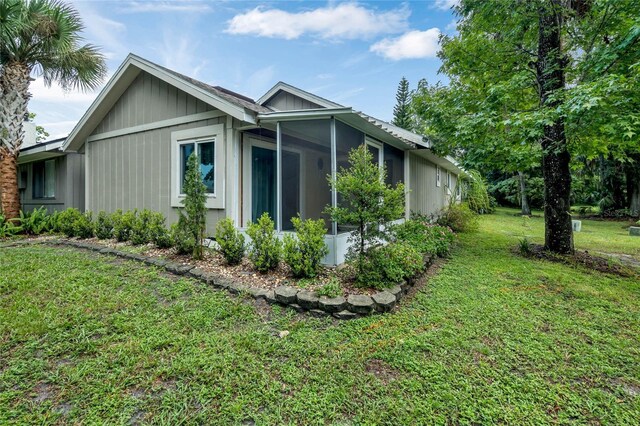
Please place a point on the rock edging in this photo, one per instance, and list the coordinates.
(351, 307)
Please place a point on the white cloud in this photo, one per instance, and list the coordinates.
(179, 52)
(412, 45)
(446, 4)
(260, 81)
(55, 94)
(103, 32)
(346, 20)
(165, 6)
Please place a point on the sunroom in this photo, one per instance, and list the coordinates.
(288, 159)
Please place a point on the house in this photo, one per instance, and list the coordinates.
(271, 155)
(48, 176)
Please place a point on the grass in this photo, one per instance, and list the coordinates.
(493, 338)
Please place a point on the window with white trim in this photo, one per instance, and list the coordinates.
(208, 143)
(206, 157)
(449, 180)
(438, 182)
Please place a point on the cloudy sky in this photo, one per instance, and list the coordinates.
(353, 53)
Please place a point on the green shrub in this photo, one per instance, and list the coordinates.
(417, 234)
(304, 252)
(140, 230)
(458, 217)
(158, 232)
(389, 265)
(182, 236)
(194, 214)
(54, 222)
(103, 228)
(443, 237)
(475, 192)
(330, 289)
(524, 246)
(67, 221)
(83, 225)
(123, 223)
(9, 227)
(266, 249)
(35, 222)
(230, 241)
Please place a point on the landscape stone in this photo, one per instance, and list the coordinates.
(285, 294)
(270, 297)
(345, 315)
(384, 300)
(297, 307)
(197, 273)
(318, 313)
(360, 304)
(396, 290)
(634, 231)
(257, 293)
(235, 288)
(307, 299)
(332, 305)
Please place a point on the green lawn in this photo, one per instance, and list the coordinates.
(493, 338)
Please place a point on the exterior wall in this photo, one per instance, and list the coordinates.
(133, 170)
(425, 197)
(284, 101)
(149, 99)
(69, 191)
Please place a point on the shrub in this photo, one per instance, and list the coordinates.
(123, 223)
(266, 249)
(182, 237)
(83, 225)
(417, 234)
(475, 192)
(158, 232)
(35, 222)
(443, 237)
(194, 216)
(9, 227)
(140, 229)
(330, 289)
(230, 241)
(304, 252)
(366, 202)
(458, 217)
(103, 228)
(389, 265)
(524, 246)
(67, 220)
(54, 222)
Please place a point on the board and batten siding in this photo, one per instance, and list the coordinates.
(147, 100)
(131, 169)
(425, 197)
(284, 101)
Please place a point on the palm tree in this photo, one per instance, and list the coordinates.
(37, 38)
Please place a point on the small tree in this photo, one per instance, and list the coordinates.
(195, 219)
(367, 202)
(402, 109)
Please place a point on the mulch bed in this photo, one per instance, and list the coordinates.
(582, 258)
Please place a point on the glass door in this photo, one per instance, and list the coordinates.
(263, 182)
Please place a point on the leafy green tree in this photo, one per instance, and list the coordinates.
(37, 38)
(366, 202)
(194, 221)
(41, 133)
(558, 75)
(402, 109)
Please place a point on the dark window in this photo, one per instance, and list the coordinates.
(44, 179)
(206, 156)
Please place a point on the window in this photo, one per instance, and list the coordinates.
(206, 156)
(438, 176)
(208, 142)
(449, 180)
(44, 179)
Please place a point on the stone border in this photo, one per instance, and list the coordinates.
(351, 307)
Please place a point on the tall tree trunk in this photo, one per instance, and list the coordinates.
(633, 186)
(14, 80)
(524, 199)
(555, 153)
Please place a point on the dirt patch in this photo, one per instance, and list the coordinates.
(381, 370)
(581, 258)
(42, 392)
(628, 388)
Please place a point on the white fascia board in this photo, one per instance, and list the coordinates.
(302, 114)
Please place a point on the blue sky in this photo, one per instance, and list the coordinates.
(353, 53)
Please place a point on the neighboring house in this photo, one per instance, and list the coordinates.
(142, 127)
(47, 176)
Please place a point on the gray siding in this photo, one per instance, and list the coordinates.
(425, 197)
(149, 99)
(69, 190)
(133, 171)
(284, 101)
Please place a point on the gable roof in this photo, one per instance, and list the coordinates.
(282, 86)
(231, 103)
(41, 151)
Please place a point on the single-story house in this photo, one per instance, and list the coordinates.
(270, 155)
(48, 176)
